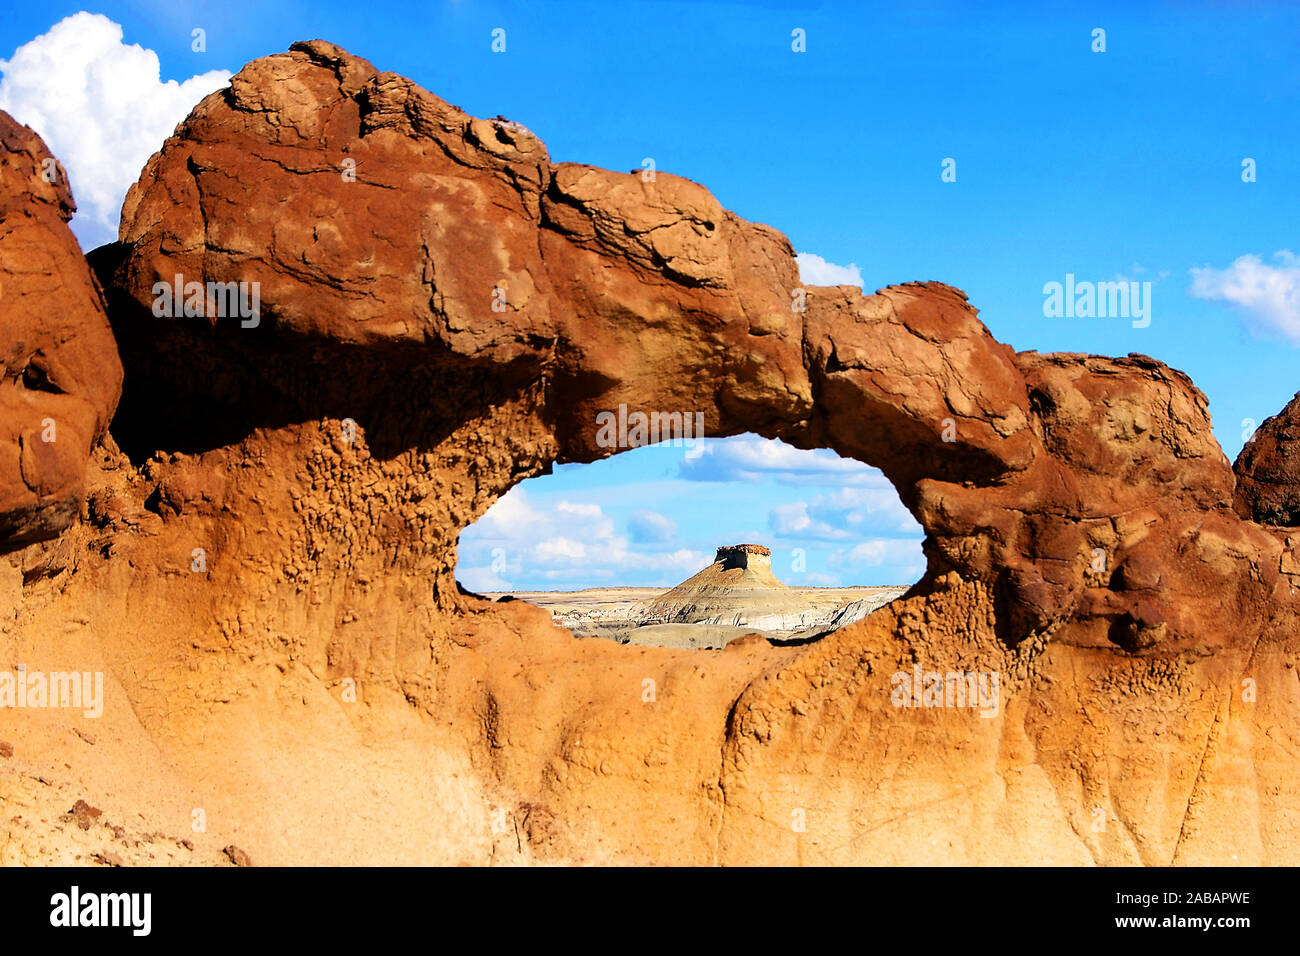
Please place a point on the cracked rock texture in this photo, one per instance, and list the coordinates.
(59, 373)
(1268, 470)
(264, 565)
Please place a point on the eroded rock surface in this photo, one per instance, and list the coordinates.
(1268, 470)
(59, 373)
(396, 239)
(444, 312)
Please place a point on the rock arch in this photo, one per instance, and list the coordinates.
(488, 279)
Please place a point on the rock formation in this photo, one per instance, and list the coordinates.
(738, 589)
(58, 364)
(265, 571)
(1268, 471)
(855, 611)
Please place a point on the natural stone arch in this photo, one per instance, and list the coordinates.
(516, 290)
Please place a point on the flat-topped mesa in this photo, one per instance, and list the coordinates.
(737, 589)
(744, 556)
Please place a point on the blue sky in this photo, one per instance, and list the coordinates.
(1126, 163)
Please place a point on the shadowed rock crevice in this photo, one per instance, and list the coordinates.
(1268, 471)
(194, 385)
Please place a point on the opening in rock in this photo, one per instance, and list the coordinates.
(697, 546)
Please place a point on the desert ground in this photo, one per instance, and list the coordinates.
(596, 612)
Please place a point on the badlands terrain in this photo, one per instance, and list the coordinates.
(604, 612)
(736, 596)
(246, 525)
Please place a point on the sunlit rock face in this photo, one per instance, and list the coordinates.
(389, 230)
(59, 373)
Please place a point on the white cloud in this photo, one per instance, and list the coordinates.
(1268, 297)
(558, 549)
(590, 519)
(846, 513)
(482, 580)
(651, 526)
(884, 551)
(101, 107)
(791, 519)
(814, 270)
(511, 514)
(881, 560)
(750, 458)
(876, 505)
(571, 545)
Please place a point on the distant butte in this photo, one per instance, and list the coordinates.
(738, 590)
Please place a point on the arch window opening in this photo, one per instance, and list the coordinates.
(697, 546)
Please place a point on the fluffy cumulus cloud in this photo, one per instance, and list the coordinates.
(559, 549)
(101, 107)
(521, 544)
(1266, 296)
(791, 519)
(814, 270)
(750, 458)
(853, 535)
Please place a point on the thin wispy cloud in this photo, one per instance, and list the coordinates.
(750, 458)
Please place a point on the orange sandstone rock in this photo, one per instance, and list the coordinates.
(59, 373)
